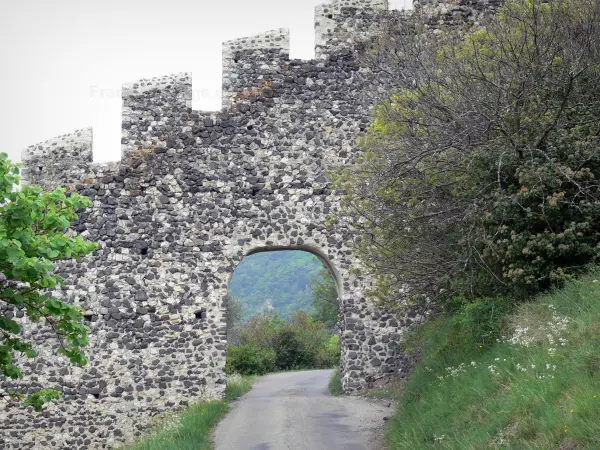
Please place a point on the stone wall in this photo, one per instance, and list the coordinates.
(193, 194)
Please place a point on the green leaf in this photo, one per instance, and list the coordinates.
(5, 355)
(9, 325)
(39, 399)
(55, 307)
(12, 371)
(13, 253)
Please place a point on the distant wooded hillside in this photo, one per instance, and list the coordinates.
(280, 279)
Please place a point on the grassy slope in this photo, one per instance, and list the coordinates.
(522, 401)
(191, 428)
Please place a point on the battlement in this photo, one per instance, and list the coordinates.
(147, 102)
(152, 107)
(451, 13)
(72, 145)
(46, 163)
(182, 82)
(275, 42)
(274, 39)
(327, 22)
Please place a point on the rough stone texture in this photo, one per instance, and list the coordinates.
(272, 48)
(193, 194)
(461, 13)
(335, 30)
(47, 161)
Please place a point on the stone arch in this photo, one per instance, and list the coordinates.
(308, 248)
(337, 256)
(304, 248)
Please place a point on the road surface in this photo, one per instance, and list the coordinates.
(293, 411)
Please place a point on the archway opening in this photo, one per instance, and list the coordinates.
(283, 313)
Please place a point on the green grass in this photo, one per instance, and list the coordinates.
(190, 429)
(238, 385)
(335, 383)
(514, 408)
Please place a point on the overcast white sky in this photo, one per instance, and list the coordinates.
(63, 61)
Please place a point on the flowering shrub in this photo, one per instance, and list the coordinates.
(544, 226)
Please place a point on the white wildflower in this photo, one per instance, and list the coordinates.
(553, 330)
(437, 438)
(456, 371)
(493, 369)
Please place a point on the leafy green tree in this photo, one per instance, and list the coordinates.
(261, 330)
(289, 350)
(480, 175)
(329, 353)
(325, 302)
(315, 340)
(33, 237)
(235, 316)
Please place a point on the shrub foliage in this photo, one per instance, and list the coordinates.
(248, 359)
(480, 176)
(326, 303)
(480, 322)
(268, 343)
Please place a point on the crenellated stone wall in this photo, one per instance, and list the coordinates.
(194, 193)
(64, 157)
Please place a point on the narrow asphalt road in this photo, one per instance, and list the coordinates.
(293, 411)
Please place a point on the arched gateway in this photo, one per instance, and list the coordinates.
(193, 194)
